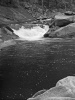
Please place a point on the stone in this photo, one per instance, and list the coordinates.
(69, 13)
(68, 82)
(7, 43)
(64, 90)
(61, 16)
(67, 31)
(8, 30)
(15, 26)
(39, 93)
(7, 33)
(63, 20)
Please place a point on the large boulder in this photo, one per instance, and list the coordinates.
(64, 90)
(67, 31)
(63, 20)
(68, 82)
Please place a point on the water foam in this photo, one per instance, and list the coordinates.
(33, 33)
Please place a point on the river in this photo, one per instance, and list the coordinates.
(31, 66)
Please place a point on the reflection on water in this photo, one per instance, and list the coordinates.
(30, 66)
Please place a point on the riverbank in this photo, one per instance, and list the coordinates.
(23, 14)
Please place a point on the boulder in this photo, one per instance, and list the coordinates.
(69, 13)
(64, 90)
(61, 16)
(68, 82)
(67, 31)
(60, 20)
(63, 20)
(7, 43)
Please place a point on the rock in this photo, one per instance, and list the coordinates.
(69, 13)
(39, 93)
(61, 16)
(8, 30)
(46, 35)
(64, 90)
(7, 43)
(68, 82)
(7, 34)
(15, 26)
(63, 20)
(60, 20)
(67, 31)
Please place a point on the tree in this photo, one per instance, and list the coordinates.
(42, 7)
(14, 3)
(33, 1)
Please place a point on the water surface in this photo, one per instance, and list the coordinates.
(30, 66)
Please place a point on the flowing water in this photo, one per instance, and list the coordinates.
(30, 66)
(31, 33)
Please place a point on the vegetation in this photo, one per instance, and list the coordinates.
(38, 8)
(52, 4)
(11, 3)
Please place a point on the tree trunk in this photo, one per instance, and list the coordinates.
(71, 4)
(33, 1)
(42, 7)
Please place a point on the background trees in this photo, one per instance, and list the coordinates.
(14, 3)
(52, 4)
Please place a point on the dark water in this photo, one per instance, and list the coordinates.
(28, 67)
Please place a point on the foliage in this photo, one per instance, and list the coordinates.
(13, 3)
(50, 4)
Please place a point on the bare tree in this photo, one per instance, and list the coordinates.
(42, 6)
(71, 4)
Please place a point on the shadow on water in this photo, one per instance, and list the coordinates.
(30, 66)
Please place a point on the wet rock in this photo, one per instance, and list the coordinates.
(39, 93)
(64, 90)
(67, 31)
(46, 35)
(15, 26)
(7, 34)
(6, 43)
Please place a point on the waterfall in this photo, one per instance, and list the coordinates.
(34, 33)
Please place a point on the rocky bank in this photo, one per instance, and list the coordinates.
(64, 90)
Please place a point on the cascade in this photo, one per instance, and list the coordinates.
(34, 33)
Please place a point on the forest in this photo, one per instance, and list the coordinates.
(50, 4)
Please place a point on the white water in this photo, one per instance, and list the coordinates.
(34, 33)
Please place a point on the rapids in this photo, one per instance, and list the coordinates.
(33, 33)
